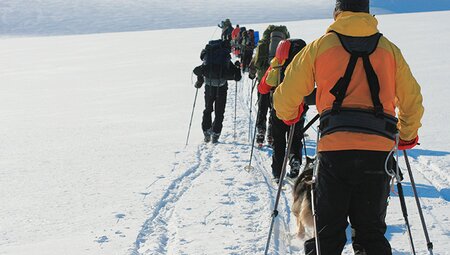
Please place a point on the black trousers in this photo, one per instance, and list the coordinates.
(351, 184)
(280, 132)
(215, 101)
(246, 58)
(263, 108)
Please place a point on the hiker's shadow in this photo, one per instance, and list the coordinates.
(415, 153)
(424, 191)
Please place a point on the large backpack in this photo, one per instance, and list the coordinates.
(296, 46)
(275, 38)
(267, 47)
(216, 60)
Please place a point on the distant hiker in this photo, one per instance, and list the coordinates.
(361, 78)
(235, 40)
(265, 51)
(227, 29)
(216, 69)
(247, 47)
(286, 51)
(242, 30)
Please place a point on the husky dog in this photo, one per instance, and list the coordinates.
(302, 207)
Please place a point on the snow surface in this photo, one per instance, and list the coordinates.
(92, 155)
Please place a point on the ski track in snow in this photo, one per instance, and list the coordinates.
(223, 163)
(156, 226)
(162, 233)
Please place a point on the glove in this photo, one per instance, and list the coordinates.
(282, 52)
(251, 75)
(237, 64)
(406, 145)
(301, 108)
(198, 84)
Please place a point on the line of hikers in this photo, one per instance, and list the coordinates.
(359, 80)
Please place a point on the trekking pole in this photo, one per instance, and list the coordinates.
(251, 110)
(314, 182)
(192, 115)
(405, 215)
(213, 33)
(401, 196)
(249, 167)
(419, 208)
(235, 107)
(280, 185)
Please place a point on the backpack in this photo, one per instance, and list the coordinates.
(296, 46)
(216, 60)
(256, 36)
(267, 47)
(275, 38)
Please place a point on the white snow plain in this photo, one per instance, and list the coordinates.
(92, 155)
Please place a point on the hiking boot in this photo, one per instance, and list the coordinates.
(276, 180)
(270, 140)
(295, 167)
(207, 135)
(259, 139)
(215, 137)
(260, 136)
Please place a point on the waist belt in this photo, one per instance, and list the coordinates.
(358, 121)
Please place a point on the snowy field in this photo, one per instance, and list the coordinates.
(92, 155)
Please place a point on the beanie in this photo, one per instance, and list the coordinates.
(352, 5)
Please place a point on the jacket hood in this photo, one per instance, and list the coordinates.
(354, 24)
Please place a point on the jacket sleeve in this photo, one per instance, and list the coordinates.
(263, 87)
(408, 98)
(298, 83)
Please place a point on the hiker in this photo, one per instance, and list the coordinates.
(352, 182)
(216, 69)
(227, 29)
(235, 40)
(265, 51)
(247, 47)
(286, 51)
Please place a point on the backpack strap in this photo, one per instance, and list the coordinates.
(358, 47)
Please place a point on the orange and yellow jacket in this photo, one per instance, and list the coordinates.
(322, 62)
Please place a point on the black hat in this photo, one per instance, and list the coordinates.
(352, 5)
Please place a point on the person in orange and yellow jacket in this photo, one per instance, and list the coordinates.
(361, 78)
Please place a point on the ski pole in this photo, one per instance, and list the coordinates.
(235, 107)
(314, 182)
(405, 215)
(401, 196)
(249, 167)
(419, 208)
(280, 185)
(192, 115)
(251, 110)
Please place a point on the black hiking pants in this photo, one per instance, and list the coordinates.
(351, 184)
(246, 58)
(215, 101)
(263, 108)
(280, 132)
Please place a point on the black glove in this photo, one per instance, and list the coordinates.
(251, 75)
(198, 84)
(237, 64)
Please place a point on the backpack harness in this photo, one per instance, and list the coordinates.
(366, 121)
